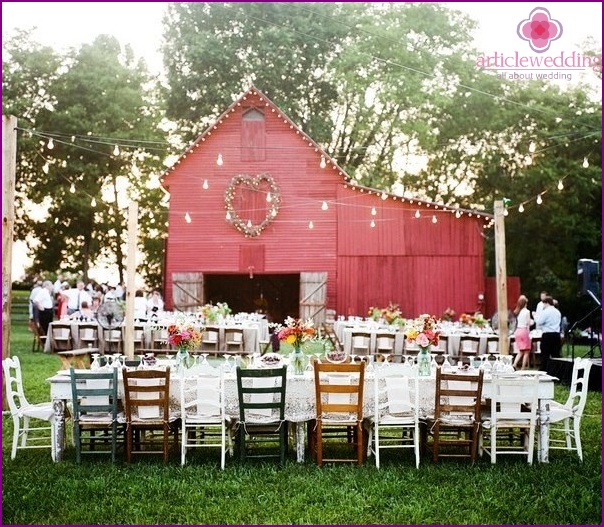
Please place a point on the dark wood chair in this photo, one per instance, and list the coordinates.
(339, 400)
(455, 425)
(261, 412)
(39, 337)
(469, 345)
(96, 421)
(210, 340)
(147, 408)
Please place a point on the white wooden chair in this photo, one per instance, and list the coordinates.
(202, 411)
(360, 343)
(22, 412)
(561, 414)
(396, 410)
(514, 404)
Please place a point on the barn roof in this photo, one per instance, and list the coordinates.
(329, 161)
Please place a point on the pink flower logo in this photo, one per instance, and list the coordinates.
(539, 29)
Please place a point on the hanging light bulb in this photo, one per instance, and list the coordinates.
(50, 145)
(93, 202)
(228, 215)
(384, 196)
(372, 224)
(205, 185)
(116, 151)
(585, 162)
(249, 224)
(73, 138)
(521, 208)
(311, 225)
(373, 211)
(539, 199)
(505, 212)
(532, 147)
(269, 198)
(458, 214)
(324, 206)
(72, 188)
(417, 214)
(187, 217)
(46, 167)
(56, 220)
(219, 160)
(322, 164)
(434, 220)
(560, 185)
(273, 212)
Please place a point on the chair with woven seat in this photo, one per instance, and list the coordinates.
(60, 336)
(23, 413)
(147, 398)
(560, 415)
(95, 410)
(395, 420)
(261, 396)
(339, 401)
(513, 410)
(455, 425)
(202, 411)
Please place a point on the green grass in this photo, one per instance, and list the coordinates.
(37, 491)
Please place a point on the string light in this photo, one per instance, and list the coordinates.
(187, 217)
(521, 208)
(384, 196)
(93, 202)
(458, 214)
(50, 145)
(434, 220)
(417, 214)
(560, 185)
(273, 212)
(539, 199)
(219, 160)
(322, 164)
(228, 215)
(372, 224)
(72, 188)
(269, 198)
(505, 212)
(249, 224)
(324, 206)
(532, 147)
(585, 162)
(373, 211)
(311, 225)
(46, 167)
(116, 151)
(205, 185)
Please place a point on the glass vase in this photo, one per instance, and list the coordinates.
(424, 361)
(182, 359)
(297, 360)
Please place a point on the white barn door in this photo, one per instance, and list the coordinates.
(313, 296)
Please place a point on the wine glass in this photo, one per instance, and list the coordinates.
(204, 359)
(385, 361)
(226, 367)
(446, 366)
(352, 357)
(250, 360)
(95, 365)
(433, 363)
(318, 355)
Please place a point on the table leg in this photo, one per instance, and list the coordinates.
(59, 408)
(543, 441)
(300, 425)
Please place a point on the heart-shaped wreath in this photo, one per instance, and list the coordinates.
(251, 195)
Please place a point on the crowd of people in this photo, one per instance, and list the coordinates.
(61, 300)
(548, 320)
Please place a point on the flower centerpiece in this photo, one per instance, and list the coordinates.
(212, 313)
(390, 314)
(184, 335)
(479, 320)
(448, 315)
(295, 332)
(423, 331)
(466, 319)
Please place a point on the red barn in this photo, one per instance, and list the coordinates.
(262, 218)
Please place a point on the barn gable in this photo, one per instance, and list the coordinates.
(257, 205)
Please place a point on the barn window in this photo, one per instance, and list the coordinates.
(253, 136)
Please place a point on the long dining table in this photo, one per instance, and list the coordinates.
(300, 404)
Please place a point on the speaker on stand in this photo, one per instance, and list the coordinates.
(588, 284)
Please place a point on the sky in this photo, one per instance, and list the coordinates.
(63, 25)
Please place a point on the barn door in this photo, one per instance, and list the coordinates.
(187, 291)
(313, 296)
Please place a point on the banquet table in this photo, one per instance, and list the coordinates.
(300, 404)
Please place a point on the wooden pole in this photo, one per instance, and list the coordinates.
(9, 168)
(501, 278)
(130, 274)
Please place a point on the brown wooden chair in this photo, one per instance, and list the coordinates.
(233, 338)
(210, 339)
(455, 425)
(88, 334)
(339, 400)
(469, 345)
(60, 336)
(147, 409)
(331, 335)
(39, 337)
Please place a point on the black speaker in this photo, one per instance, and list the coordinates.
(588, 277)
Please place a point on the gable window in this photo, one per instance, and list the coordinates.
(253, 135)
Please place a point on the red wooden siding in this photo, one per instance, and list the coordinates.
(421, 265)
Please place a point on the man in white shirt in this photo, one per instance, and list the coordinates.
(45, 304)
(76, 297)
(541, 305)
(33, 310)
(58, 284)
(548, 321)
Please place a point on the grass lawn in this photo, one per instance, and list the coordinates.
(37, 491)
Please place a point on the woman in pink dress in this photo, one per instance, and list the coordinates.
(62, 300)
(522, 339)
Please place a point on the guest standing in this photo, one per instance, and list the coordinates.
(522, 338)
(45, 304)
(548, 321)
(155, 304)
